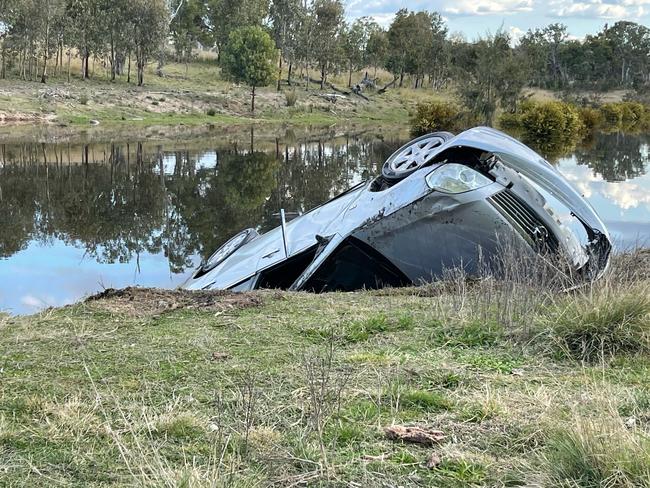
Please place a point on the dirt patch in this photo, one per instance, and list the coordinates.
(141, 302)
(24, 118)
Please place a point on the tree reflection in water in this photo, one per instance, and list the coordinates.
(117, 201)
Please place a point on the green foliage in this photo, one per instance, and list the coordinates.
(430, 401)
(249, 57)
(364, 329)
(629, 115)
(435, 116)
(591, 117)
(602, 324)
(550, 120)
(211, 112)
(472, 334)
(462, 470)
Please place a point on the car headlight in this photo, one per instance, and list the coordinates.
(456, 178)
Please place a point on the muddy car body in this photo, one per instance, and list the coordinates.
(441, 202)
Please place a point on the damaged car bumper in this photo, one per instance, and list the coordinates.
(442, 202)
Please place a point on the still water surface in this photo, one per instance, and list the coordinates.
(75, 219)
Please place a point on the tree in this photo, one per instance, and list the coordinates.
(228, 15)
(355, 40)
(377, 49)
(399, 43)
(328, 24)
(150, 23)
(249, 58)
(286, 17)
(491, 76)
(189, 27)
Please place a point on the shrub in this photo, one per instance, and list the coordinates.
(613, 113)
(83, 99)
(551, 120)
(602, 324)
(591, 117)
(435, 116)
(591, 454)
(211, 112)
(291, 97)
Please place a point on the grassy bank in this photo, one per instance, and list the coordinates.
(192, 96)
(155, 388)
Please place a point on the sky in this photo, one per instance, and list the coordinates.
(476, 17)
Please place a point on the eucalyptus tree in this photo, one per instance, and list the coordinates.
(355, 41)
(287, 17)
(326, 37)
(149, 20)
(377, 48)
(490, 76)
(189, 27)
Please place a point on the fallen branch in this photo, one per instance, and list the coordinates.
(416, 435)
(387, 86)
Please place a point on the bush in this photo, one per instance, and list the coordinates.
(613, 113)
(591, 117)
(83, 99)
(551, 120)
(435, 116)
(602, 324)
(595, 454)
(291, 97)
(211, 112)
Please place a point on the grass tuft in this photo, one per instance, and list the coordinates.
(602, 324)
(598, 453)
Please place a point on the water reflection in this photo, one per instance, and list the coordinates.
(74, 218)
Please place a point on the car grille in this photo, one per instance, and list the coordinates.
(525, 221)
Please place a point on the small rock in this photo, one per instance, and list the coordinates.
(94, 122)
(630, 423)
(219, 356)
(433, 461)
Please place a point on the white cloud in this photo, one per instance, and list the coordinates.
(627, 194)
(515, 35)
(597, 9)
(487, 7)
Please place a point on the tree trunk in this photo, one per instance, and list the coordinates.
(69, 58)
(112, 59)
(350, 77)
(401, 79)
(128, 70)
(253, 100)
(45, 50)
(279, 71)
(322, 76)
(289, 75)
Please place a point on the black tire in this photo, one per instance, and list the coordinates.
(398, 166)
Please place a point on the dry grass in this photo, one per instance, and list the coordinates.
(297, 389)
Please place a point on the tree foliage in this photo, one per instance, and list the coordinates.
(248, 57)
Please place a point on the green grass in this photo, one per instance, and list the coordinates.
(106, 393)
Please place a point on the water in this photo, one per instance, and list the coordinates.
(75, 219)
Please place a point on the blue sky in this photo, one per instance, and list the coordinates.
(476, 17)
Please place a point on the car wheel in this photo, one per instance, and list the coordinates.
(413, 155)
(227, 249)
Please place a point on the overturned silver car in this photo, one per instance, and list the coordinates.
(441, 202)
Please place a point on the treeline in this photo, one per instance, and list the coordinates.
(315, 41)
